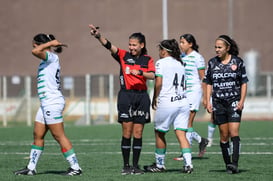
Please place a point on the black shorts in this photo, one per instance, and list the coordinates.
(134, 106)
(225, 111)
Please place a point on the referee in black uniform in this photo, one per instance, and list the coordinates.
(133, 100)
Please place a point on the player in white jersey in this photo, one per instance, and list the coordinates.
(49, 115)
(195, 71)
(172, 107)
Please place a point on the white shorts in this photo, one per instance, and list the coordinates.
(194, 97)
(50, 114)
(167, 116)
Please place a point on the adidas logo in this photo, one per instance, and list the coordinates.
(216, 68)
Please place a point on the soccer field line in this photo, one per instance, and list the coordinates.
(143, 152)
(111, 142)
(145, 141)
(76, 143)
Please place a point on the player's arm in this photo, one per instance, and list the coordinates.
(94, 31)
(201, 73)
(157, 88)
(209, 91)
(39, 50)
(240, 104)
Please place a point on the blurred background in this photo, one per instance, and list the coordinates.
(90, 76)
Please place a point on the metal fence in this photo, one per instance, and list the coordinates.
(90, 99)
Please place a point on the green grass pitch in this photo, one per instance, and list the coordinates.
(98, 150)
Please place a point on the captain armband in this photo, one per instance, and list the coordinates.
(108, 45)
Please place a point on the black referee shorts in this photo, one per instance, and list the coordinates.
(133, 106)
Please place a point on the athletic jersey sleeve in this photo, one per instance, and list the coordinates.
(207, 78)
(243, 78)
(51, 57)
(159, 69)
(200, 62)
(151, 65)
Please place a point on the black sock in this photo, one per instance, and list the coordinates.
(125, 149)
(236, 149)
(225, 152)
(137, 146)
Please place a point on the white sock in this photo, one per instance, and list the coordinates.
(160, 160)
(35, 154)
(189, 137)
(211, 130)
(73, 161)
(187, 159)
(196, 137)
(70, 156)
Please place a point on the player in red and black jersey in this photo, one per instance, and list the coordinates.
(133, 100)
(226, 81)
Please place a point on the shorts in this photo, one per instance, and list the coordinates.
(225, 112)
(178, 117)
(134, 106)
(194, 97)
(51, 114)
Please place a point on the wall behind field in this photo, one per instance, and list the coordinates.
(68, 20)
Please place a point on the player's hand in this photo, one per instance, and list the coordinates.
(154, 103)
(209, 107)
(204, 101)
(240, 106)
(94, 31)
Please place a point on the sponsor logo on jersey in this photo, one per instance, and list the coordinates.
(224, 84)
(223, 75)
(130, 61)
(177, 98)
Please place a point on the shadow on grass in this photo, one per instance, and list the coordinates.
(199, 158)
(222, 171)
(54, 172)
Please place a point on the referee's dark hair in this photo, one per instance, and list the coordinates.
(42, 38)
(172, 47)
(141, 38)
(234, 49)
(190, 39)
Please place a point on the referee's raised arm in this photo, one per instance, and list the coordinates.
(94, 31)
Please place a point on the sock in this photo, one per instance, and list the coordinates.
(196, 137)
(211, 129)
(137, 146)
(35, 154)
(160, 157)
(71, 158)
(186, 152)
(189, 135)
(125, 149)
(225, 152)
(236, 149)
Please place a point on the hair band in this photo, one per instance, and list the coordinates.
(224, 40)
(165, 48)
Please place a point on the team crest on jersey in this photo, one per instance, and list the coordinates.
(233, 67)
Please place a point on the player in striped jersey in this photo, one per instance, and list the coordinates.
(195, 71)
(49, 115)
